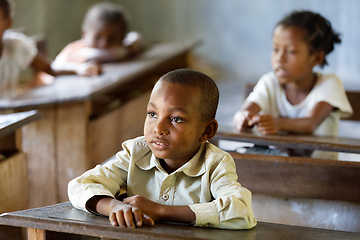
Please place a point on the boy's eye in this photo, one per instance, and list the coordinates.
(177, 120)
(291, 51)
(151, 114)
(275, 50)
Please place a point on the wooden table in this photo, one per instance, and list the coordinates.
(13, 172)
(85, 119)
(62, 221)
(309, 142)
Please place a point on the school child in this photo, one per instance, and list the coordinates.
(104, 38)
(18, 52)
(294, 98)
(173, 173)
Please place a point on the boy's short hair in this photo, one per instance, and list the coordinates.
(106, 12)
(7, 6)
(209, 92)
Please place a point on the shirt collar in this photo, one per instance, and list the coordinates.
(193, 168)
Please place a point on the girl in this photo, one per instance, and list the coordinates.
(293, 98)
(104, 38)
(18, 52)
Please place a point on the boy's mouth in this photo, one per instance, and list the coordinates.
(280, 72)
(159, 143)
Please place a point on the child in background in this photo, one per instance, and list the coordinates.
(293, 98)
(104, 38)
(18, 52)
(173, 173)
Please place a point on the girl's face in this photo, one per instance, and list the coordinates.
(103, 35)
(291, 59)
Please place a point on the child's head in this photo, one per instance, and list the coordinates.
(104, 26)
(301, 41)
(181, 114)
(6, 12)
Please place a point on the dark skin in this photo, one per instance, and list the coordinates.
(292, 63)
(174, 130)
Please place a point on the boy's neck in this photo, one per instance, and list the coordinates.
(303, 85)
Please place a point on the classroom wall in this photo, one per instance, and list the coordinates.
(236, 33)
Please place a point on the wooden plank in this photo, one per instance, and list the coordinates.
(13, 183)
(36, 234)
(299, 177)
(63, 218)
(71, 144)
(296, 141)
(123, 123)
(354, 99)
(39, 144)
(10, 122)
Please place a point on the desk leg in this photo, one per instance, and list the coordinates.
(36, 234)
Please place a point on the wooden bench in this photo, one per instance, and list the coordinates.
(85, 119)
(62, 221)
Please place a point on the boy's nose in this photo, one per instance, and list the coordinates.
(161, 129)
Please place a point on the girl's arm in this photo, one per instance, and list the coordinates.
(244, 115)
(42, 63)
(269, 125)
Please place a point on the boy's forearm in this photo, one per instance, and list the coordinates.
(100, 204)
(182, 214)
(300, 125)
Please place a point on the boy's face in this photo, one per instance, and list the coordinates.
(103, 35)
(291, 59)
(173, 126)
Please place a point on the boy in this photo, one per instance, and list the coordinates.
(173, 173)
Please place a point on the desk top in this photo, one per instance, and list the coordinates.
(10, 122)
(311, 142)
(64, 218)
(72, 88)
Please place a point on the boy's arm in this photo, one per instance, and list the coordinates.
(162, 213)
(269, 125)
(243, 116)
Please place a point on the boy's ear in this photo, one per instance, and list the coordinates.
(210, 130)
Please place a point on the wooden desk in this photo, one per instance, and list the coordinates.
(310, 142)
(62, 221)
(73, 135)
(13, 172)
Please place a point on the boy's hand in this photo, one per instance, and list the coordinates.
(150, 208)
(125, 215)
(241, 120)
(88, 69)
(266, 124)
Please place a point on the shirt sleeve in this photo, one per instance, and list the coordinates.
(232, 208)
(108, 180)
(261, 94)
(331, 90)
(23, 48)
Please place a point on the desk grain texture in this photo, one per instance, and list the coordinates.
(64, 218)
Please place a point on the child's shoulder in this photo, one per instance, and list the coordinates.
(215, 155)
(13, 38)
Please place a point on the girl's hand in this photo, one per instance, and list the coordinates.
(266, 124)
(150, 208)
(241, 120)
(88, 69)
(125, 215)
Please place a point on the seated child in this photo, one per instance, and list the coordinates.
(104, 38)
(293, 98)
(18, 52)
(173, 173)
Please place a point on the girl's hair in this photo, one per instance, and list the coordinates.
(108, 13)
(7, 6)
(319, 34)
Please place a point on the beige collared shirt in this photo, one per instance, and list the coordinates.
(207, 184)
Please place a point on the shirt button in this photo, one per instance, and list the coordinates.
(165, 197)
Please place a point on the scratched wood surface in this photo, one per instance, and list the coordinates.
(64, 218)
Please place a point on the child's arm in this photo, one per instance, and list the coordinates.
(41, 63)
(244, 115)
(269, 125)
(162, 213)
